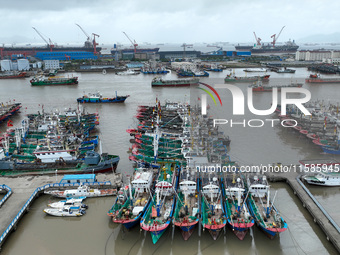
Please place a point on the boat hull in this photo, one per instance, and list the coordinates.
(102, 100)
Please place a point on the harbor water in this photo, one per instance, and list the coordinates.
(94, 233)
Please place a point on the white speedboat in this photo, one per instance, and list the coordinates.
(81, 191)
(67, 211)
(68, 202)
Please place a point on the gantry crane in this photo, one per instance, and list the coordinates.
(258, 40)
(132, 42)
(49, 42)
(275, 38)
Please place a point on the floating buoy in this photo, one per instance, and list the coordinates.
(104, 71)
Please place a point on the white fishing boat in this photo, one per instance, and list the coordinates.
(81, 191)
(128, 72)
(321, 172)
(67, 211)
(68, 202)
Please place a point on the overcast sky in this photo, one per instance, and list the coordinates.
(169, 21)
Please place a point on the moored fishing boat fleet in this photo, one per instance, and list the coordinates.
(171, 143)
(62, 141)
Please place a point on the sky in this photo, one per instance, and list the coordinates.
(171, 21)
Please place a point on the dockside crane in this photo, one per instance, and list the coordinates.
(132, 42)
(49, 42)
(275, 38)
(94, 43)
(258, 40)
(88, 40)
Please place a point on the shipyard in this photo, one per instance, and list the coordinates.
(117, 135)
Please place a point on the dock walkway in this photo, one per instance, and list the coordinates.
(321, 217)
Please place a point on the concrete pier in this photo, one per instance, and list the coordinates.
(23, 188)
(320, 216)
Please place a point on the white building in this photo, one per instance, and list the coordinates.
(183, 65)
(51, 64)
(23, 64)
(317, 55)
(6, 65)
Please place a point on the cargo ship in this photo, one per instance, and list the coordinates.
(288, 47)
(98, 98)
(13, 75)
(32, 51)
(233, 78)
(258, 86)
(315, 78)
(43, 81)
(158, 82)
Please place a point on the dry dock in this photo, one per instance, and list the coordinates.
(24, 191)
(321, 217)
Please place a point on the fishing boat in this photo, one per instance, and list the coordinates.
(233, 78)
(43, 81)
(81, 191)
(69, 202)
(321, 172)
(132, 202)
(159, 82)
(8, 110)
(187, 212)
(98, 98)
(67, 211)
(213, 214)
(13, 75)
(261, 207)
(190, 73)
(239, 218)
(128, 72)
(259, 87)
(158, 216)
(255, 70)
(315, 78)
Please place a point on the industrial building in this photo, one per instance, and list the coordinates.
(20, 65)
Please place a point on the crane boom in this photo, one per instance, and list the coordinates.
(49, 42)
(276, 37)
(258, 40)
(88, 37)
(132, 42)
